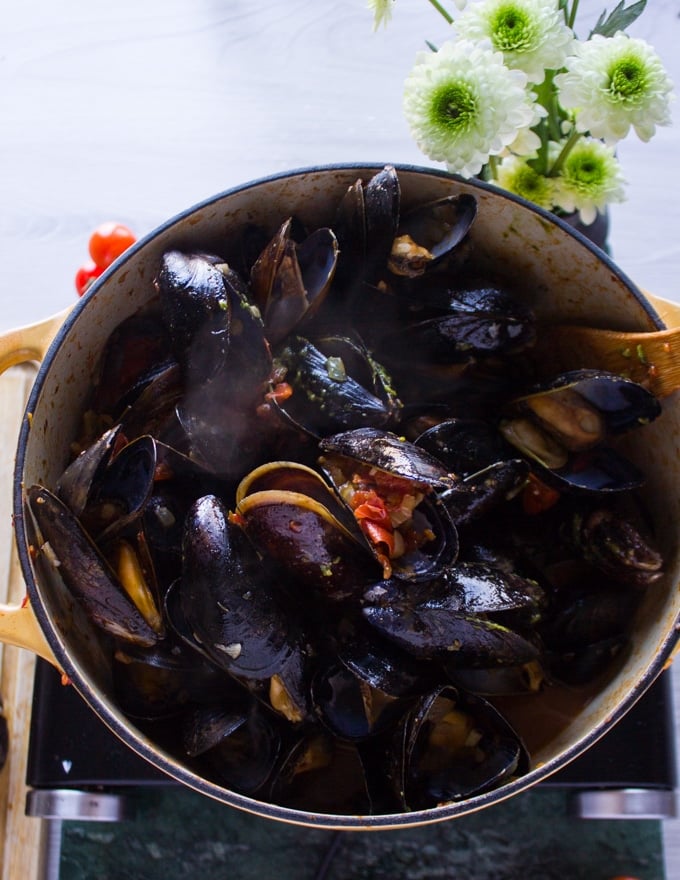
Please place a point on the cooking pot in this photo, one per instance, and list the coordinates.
(566, 279)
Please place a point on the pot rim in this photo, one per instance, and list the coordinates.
(125, 730)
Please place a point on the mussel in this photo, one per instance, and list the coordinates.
(451, 746)
(564, 428)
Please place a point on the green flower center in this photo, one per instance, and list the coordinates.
(627, 79)
(531, 185)
(453, 107)
(512, 29)
(585, 172)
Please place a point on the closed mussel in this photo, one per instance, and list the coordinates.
(229, 601)
(334, 384)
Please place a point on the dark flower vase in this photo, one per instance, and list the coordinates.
(597, 231)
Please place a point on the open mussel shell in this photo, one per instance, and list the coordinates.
(322, 773)
(452, 746)
(482, 492)
(76, 484)
(348, 706)
(430, 233)
(367, 687)
(389, 453)
(393, 471)
(564, 428)
(290, 280)
(121, 491)
(237, 745)
(159, 682)
(85, 571)
(366, 221)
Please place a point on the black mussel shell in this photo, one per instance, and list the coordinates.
(464, 446)
(289, 281)
(137, 350)
(85, 571)
(322, 774)
(349, 706)
(121, 491)
(237, 746)
(479, 493)
(563, 428)
(160, 682)
(335, 385)
(228, 599)
(453, 746)
(382, 198)
(195, 309)
(75, 485)
(153, 411)
(449, 618)
(616, 547)
(366, 223)
(430, 233)
(389, 453)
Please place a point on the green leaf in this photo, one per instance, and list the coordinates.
(619, 20)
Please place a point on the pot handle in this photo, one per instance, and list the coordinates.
(18, 623)
(29, 343)
(669, 312)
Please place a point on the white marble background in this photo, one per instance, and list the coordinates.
(138, 109)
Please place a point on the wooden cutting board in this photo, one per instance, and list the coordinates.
(21, 837)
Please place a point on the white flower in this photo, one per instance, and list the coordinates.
(464, 105)
(531, 34)
(527, 142)
(589, 179)
(515, 175)
(613, 83)
(382, 12)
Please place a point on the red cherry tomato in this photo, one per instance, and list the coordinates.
(86, 275)
(108, 242)
(538, 497)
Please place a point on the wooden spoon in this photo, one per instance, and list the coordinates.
(649, 357)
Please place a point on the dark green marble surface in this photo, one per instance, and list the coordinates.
(179, 834)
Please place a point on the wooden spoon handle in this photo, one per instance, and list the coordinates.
(649, 357)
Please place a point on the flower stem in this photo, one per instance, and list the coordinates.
(564, 152)
(440, 9)
(491, 168)
(571, 21)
